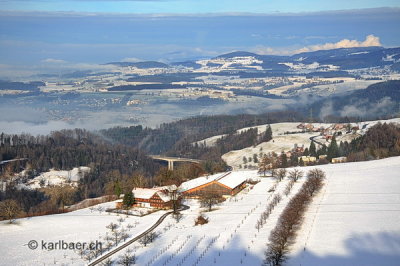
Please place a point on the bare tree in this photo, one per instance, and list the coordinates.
(127, 259)
(62, 195)
(209, 199)
(273, 172)
(281, 173)
(295, 174)
(288, 187)
(9, 209)
(316, 173)
(265, 164)
(139, 180)
(315, 180)
(117, 236)
(107, 262)
(112, 226)
(148, 238)
(177, 216)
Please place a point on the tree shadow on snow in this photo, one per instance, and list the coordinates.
(381, 249)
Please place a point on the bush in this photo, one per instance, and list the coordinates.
(200, 220)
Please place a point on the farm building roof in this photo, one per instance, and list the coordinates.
(229, 179)
(147, 193)
(234, 179)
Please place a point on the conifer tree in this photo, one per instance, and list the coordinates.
(333, 149)
(312, 149)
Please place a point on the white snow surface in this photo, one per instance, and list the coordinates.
(58, 177)
(235, 178)
(353, 220)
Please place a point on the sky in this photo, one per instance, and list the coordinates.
(193, 6)
(58, 35)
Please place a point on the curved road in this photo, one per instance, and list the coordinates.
(154, 226)
(313, 140)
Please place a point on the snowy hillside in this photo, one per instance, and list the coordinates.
(56, 177)
(354, 220)
(285, 142)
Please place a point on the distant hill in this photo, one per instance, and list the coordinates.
(29, 86)
(237, 54)
(187, 64)
(144, 65)
(344, 58)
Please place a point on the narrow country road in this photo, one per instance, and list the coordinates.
(154, 226)
(313, 140)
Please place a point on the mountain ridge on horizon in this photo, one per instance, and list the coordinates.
(346, 58)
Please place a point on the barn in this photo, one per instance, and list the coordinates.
(225, 184)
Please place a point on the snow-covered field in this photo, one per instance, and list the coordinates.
(82, 226)
(354, 220)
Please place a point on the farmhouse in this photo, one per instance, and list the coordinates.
(157, 197)
(225, 184)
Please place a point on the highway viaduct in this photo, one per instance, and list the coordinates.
(171, 160)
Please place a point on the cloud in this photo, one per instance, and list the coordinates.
(363, 108)
(53, 61)
(370, 40)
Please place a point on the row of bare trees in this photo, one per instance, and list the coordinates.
(268, 210)
(290, 220)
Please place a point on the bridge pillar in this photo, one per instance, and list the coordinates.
(170, 165)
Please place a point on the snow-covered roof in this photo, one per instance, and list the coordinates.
(147, 193)
(164, 196)
(143, 193)
(229, 179)
(169, 188)
(234, 179)
(196, 182)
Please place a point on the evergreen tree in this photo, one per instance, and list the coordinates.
(333, 149)
(283, 160)
(322, 150)
(268, 133)
(312, 149)
(117, 189)
(128, 200)
(255, 158)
